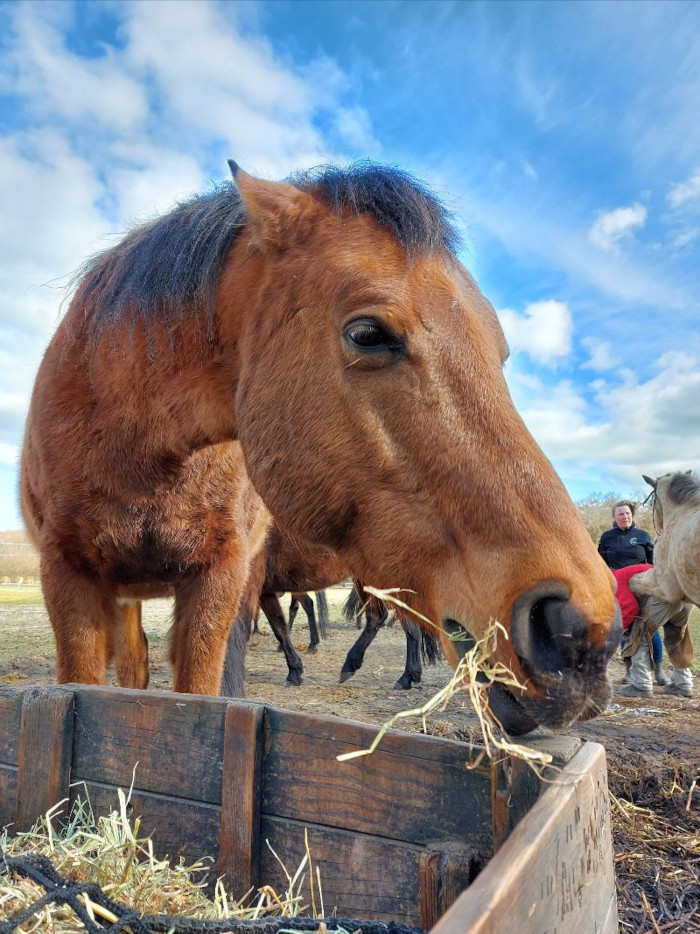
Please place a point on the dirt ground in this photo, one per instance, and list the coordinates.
(653, 746)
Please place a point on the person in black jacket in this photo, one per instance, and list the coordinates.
(622, 545)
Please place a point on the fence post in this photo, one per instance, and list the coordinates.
(45, 753)
(241, 794)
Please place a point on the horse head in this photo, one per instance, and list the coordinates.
(671, 492)
(366, 337)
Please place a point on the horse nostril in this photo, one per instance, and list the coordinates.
(549, 633)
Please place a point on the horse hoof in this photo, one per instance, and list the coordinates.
(312, 649)
(345, 676)
(293, 680)
(402, 685)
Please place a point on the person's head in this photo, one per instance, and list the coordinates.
(623, 514)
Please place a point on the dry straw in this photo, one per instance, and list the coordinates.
(476, 673)
(110, 852)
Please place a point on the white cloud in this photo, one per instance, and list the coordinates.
(685, 191)
(122, 136)
(9, 454)
(61, 84)
(236, 90)
(543, 330)
(601, 357)
(631, 425)
(148, 180)
(612, 226)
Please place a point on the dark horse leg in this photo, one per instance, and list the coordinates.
(308, 605)
(293, 610)
(272, 609)
(322, 609)
(233, 678)
(414, 669)
(376, 613)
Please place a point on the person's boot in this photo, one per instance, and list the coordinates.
(660, 675)
(626, 676)
(631, 690)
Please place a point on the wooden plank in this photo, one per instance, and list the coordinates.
(361, 876)
(555, 873)
(446, 870)
(45, 750)
(175, 741)
(177, 827)
(241, 787)
(8, 793)
(515, 786)
(412, 788)
(10, 723)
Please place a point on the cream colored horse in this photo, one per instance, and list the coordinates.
(675, 576)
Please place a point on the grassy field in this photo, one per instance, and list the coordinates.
(11, 594)
(21, 633)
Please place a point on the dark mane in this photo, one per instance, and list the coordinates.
(171, 266)
(391, 196)
(684, 489)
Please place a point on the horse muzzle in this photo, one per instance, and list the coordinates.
(566, 673)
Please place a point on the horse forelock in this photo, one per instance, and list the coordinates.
(170, 267)
(394, 198)
(684, 489)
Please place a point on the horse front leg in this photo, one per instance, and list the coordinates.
(205, 607)
(651, 584)
(272, 608)
(81, 612)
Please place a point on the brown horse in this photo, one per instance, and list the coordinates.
(165, 410)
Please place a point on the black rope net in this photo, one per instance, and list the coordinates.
(61, 891)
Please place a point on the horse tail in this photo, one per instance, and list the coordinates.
(429, 647)
(352, 606)
(322, 610)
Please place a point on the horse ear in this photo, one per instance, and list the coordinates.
(277, 213)
(650, 480)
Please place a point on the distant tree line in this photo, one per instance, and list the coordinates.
(19, 559)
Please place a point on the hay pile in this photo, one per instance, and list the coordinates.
(109, 852)
(656, 837)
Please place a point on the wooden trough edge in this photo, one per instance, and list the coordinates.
(555, 873)
(262, 771)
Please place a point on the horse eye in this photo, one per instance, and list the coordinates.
(368, 334)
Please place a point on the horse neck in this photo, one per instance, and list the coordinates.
(168, 383)
(673, 512)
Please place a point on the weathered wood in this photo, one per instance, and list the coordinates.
(515, 786)
(10, 723)
(45, 749)
(241, 793)
(203, 788)
(412, 788)
(446, 870)
(8, 794)
(554, 875)
(176, 739)
(361, 876)
(178, 828)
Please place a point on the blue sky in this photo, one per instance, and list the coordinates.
(565, 136)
